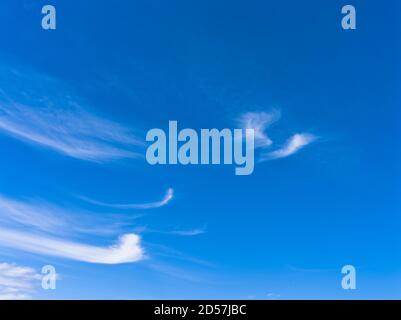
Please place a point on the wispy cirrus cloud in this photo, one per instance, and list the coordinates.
(40, 110)
(150, 205)
(292, 146)
(126, 250)
(44, 221)
(176, 232)
(74, 132)
(273, 296)
(38, 215)
(43, 216)
(260, 122)
(17, 282)
(189, 232)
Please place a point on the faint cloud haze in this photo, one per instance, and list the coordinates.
(17, 282)
(292, 146)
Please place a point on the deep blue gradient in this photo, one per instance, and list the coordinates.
(284, 231)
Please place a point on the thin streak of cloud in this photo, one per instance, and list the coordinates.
(53, 219)
(45, 220)
(188, 233)
(293, 145)
(151, 205)
(75, 133)
(177, 273)
(176, 232)
(126, 250)
(37, 109)
(273, 296)
(35, 215)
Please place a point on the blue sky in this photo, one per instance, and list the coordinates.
(75, 106)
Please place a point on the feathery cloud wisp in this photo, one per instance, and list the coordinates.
(151, 205)
(45, 220)
(127, 249)
(40, 216)
(40, 110)
(259, 122)
(72, 132)
(293, 145)
(54, 219)
(16, 282)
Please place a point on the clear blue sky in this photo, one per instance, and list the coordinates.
(75, 101)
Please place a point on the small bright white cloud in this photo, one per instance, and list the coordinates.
(39, 110)
(72, 132)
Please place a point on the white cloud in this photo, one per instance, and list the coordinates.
(259, 122)
(175, 232)
(33, 214)
(47, 217)
(70, 131)
(126, 250)
(293, 145)
(16, 282)
(42, 111)
(151, 205)
(44, 220)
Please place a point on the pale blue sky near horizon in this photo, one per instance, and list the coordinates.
(75, 106)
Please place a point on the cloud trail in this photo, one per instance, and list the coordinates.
(151, 205)
(293, 145)
(16, 282)
(40, 110)
(44, 220)
(40, 216)
(75, 133)
(126, 250)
